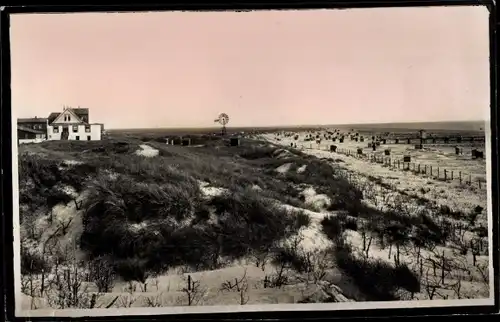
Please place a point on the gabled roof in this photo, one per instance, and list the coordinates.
(32, 120)
(26, 129)
(70, 110)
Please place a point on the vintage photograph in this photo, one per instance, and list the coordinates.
(259, 160)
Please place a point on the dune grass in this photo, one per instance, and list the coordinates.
(147, 215)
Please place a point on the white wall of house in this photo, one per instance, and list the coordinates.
(84, 132)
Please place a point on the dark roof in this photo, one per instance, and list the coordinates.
(32, 120)
(80, 111)
(53, 116)
(25, 129)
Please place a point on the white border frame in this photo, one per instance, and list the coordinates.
(237, 308)
(349, 306)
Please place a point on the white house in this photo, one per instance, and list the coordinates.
(73, 124)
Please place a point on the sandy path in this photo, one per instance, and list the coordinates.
(443, 193)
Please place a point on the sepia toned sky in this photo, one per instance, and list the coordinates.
(181, 69)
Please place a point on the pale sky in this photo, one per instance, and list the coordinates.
(181, 69)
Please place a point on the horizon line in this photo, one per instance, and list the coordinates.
(298, 125)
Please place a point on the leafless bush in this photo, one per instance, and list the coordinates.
(154, 300)
(236, 284)
(68, 290)
(457, 288)
(143, 286)
(431, 285)
(283, 258)
(442, 263)
(261, 258)
(484, 273)
(155, 282)
(78, 203)
(239, 285)
(316, 264)
(193, 290)
(102, 274)
(129, 299)
(459, 239)
(29, 287)
(64, 225)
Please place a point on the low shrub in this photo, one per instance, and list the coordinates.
(248, 221)
(302, 220)
(377, 279)
(254, 153)
(332, 227)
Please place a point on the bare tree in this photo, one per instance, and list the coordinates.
(367, 241)
(193, 290)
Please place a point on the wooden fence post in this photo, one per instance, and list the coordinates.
(438, 173)
(451, 174)
(419, 168)
(431, 170)
(460, 176)
(445, 174)
(425, 169)
(470, 179)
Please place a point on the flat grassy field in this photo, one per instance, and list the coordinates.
(130, 221)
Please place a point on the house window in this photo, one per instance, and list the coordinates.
(69, 117)
(56, 129)
(88, 137)
(77, 138)
(75, 128)
(87, 128)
